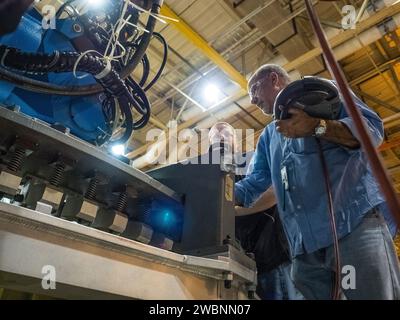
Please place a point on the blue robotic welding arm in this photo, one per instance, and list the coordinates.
(60, 75)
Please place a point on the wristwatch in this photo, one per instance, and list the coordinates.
(320, 129)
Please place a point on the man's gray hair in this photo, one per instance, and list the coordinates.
(266, 69)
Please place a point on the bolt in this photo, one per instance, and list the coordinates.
(77, 28)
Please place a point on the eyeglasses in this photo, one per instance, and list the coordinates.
(254, 88)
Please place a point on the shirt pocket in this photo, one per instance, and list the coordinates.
(287, 188)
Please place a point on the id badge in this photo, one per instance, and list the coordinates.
(284, 177)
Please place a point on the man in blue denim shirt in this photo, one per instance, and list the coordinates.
(287, 158)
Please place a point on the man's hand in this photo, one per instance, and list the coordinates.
(11, 12)
(300, 125)
(266, 201)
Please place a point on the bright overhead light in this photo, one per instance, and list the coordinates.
(212, 93)
(118, 150)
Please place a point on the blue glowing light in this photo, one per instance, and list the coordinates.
(167, 217)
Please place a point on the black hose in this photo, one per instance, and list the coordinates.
(146, 70)
(65, 62)
(109, 108)
(144, 42)
(164, 62)
(129, 94)
(44, 87)
(139, 99)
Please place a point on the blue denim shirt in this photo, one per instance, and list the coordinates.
(303, 202)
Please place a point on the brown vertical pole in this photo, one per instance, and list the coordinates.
(374, 159)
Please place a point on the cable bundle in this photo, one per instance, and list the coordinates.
(118, 49)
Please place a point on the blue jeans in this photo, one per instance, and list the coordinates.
(370, 267)
(277, 285)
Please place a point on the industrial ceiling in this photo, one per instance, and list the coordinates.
(221, 42)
